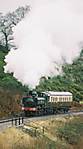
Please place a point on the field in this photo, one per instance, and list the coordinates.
(55, 133)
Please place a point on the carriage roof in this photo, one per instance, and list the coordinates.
(52, 93)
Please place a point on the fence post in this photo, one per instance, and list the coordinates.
(19, 120)
(43, 129)
(35, 132)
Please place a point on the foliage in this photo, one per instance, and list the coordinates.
(7, 22)
(10, 89)
(7, 81)
(70, 80)
(71, 132)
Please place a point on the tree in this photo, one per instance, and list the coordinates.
(7, 23)
(71, 79)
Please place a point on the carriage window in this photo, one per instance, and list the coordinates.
(51, 99)
(60, 99)
(70, 98)
(67, 98)
(55, 99)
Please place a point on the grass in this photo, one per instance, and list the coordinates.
(13, 138)
(60, 133)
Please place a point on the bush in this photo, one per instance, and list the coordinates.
(71, 132)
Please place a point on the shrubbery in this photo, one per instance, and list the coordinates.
(10, 89)
(71, 132)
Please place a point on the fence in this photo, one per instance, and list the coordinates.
(34, 131)
(17, 121)
(13, 121)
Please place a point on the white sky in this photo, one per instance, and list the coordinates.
(10, 5)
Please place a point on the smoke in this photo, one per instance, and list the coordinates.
(49, 35)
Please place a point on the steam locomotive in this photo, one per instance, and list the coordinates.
(49, 102)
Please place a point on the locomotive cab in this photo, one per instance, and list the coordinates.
(28, 105)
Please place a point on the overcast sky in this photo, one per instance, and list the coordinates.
(9, 5)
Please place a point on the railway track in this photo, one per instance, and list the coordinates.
(19, 121)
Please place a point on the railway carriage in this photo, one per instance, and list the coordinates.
(55, 97)
(59, 101)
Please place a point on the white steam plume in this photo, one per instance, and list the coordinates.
(50, 33)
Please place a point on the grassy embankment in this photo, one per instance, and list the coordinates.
(59, 133)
